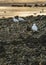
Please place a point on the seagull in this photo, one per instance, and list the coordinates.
(20, 19)
(15, 20)
(34, 28)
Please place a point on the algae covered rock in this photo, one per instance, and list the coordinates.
(19, 45)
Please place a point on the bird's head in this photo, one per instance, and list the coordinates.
(34, 24)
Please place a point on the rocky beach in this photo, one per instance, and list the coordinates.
(19, 45)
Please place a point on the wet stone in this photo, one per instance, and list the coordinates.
(19, 45)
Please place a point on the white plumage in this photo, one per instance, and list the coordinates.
(20, 19)
(34, 27)
(15, 20)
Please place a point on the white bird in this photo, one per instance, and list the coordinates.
(15, 20)
(20, 19)
(34, 27)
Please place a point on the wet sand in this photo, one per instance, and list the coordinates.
(21, 11)
(15, 1)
